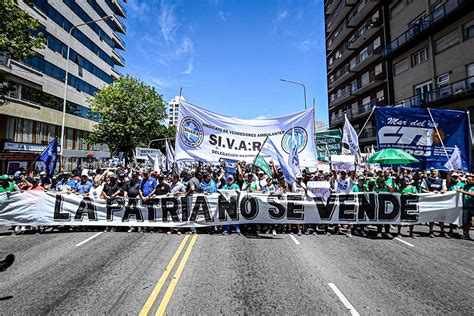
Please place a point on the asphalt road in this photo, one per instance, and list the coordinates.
(122, 273)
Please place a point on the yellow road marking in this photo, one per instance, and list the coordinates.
(169, 292)
(154, 294)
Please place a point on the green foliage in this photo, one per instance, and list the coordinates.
(131, 115)
(19, 36)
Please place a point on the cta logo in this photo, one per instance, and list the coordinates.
(301, 137)
(191, 132)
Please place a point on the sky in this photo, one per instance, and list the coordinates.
(229, 55)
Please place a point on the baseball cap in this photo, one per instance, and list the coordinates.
(42, 173)
(4, 177)
(360, 178)
(230, 177)
(455, 174)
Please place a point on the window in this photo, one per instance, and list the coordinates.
(400, 67)
(396, 9)
(469, 30)
(378, 69)
(420, 56)
(443, 80)
(365, 79)
(380, 95)
(422, 89)
(447, 41)
(366, 100)
(470, 70)
(376, 42)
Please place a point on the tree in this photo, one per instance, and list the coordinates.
(19, 36)
(131, 114)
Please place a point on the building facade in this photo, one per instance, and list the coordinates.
(357, 74)
(173, 110)
(430, 53)
(33, 115)
(397, 53)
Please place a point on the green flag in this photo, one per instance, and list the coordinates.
(262, 164)
(151, 160)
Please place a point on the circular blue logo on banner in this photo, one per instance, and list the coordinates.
(191, 132)
(301, 137)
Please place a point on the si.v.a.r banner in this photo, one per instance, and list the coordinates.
(206, 136)
(413, 130)
(228, 207)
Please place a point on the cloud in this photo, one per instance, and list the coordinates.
(185, 46)
(262, 117)
(189, 69)
(223, 15)
(167, 22)
(138, 10)
(281, 15)
(305, 45)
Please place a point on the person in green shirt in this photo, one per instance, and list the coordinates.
(468, 206)
(360, 186)
(6, 185)
(406, 189)
(250, 184)
(455, 183)
(231, 185)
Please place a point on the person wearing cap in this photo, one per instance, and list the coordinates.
(121, 185)
(45, 181)
(343, 182)
(250, 184)
(231, 185)
(360, 186)
(132, 193)
(207, 184)
(269, 187)
(162, 188)
(406, 189)
(468, 206)
(262, 178)
(7, 185)
(434, 184)
(110, 187)
(84, 186)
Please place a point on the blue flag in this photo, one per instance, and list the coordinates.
(270, 149)
(49, 157)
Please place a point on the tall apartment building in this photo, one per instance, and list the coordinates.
(431, 53)
(33, 115)
(357, 74)
(173, 110)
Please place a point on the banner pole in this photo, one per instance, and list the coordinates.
(259, 150)
(367, 121)
(439, 135)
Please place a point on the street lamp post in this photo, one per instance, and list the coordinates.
(298, 83)
(66, 82)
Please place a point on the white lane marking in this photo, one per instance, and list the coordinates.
(295, 240)
(343, 299)
(403, 241)
(90, 238)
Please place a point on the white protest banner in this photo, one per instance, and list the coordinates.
(320, 189)
(141, 153)
(51, 209)
(208, 136)
(343, 162)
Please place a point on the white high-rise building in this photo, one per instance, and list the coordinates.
(173, 110)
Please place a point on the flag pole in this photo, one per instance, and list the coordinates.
(259, 150)
(367, 121)
(44, 150)
(439, 135)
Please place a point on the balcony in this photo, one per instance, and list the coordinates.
(458, 90)
(116, 74)
(330, 6)
(340, 75)
(367, 84)
(120, 9)
(341, 11)
(119, 26)
(341, 96)
(118, 60)
(364, 32)
(119, 43)
(365, 58)
(337, 119)
(338, 35)
(356, 16)
(339, 56)
(427, 25)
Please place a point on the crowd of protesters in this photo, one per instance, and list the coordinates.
(139, 183)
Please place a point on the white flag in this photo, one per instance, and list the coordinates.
(270, 149)
(293, 159)
(156, 163)
(455, 161)
(350, 137)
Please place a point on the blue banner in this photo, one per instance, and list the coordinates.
(413, 130)
(49, 158)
